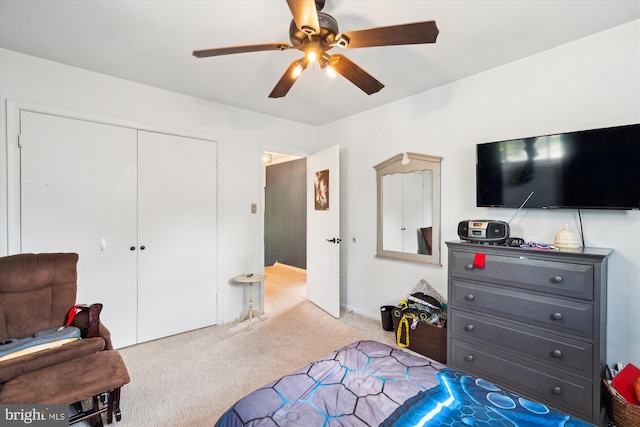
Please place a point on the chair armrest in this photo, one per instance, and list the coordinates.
(88, 320)
(93, 327)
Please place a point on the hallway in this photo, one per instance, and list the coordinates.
(284, 287)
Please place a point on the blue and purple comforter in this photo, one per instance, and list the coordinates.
(368, 383)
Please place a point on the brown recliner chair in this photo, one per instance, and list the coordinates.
(37, 292)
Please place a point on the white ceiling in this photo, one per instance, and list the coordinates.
(151, 41)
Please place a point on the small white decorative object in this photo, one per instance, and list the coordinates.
(567, 238)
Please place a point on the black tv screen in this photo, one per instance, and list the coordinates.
(591, 169)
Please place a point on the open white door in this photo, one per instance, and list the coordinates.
(323, 230)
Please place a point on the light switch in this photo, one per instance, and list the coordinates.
(254, 208)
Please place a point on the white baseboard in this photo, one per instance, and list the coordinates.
(362, 313)
(290, 267)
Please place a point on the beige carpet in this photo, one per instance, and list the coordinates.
(192, 378)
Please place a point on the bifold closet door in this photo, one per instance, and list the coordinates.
(176, 234)
(140, 210)
(78, 194)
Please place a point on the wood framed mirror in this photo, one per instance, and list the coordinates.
(408, 211)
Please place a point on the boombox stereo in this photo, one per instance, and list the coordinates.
(483, 231)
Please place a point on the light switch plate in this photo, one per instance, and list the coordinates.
(254, 208)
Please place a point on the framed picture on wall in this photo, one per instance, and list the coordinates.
(321, 190)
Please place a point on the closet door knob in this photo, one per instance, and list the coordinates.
(556, 353)
(469, 328)
(132, 248)
(142, 248)
(556, 316)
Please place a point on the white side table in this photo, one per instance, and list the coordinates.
(250, 279)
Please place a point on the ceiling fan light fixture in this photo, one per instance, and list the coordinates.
(312, 55)
(330, 71)
(302, 64)
(314, 33)
(325, 64)
(313, 50)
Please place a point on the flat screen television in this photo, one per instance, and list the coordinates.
(590, 169)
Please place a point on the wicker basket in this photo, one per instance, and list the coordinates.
(426, 339)
(621, 412)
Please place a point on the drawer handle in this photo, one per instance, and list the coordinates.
(556, 279)
(469, 358)
(557, 390)
(469, 328)
(556, 316)
(469, 266)
(556, 353)
(469, 297)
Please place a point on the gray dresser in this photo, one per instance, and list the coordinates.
(531, 321)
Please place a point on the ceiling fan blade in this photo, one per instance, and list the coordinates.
(239, 49)
(286, 81)
(305, 15)
(415, 33)
(355, 74)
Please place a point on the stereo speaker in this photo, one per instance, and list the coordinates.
(483, 231)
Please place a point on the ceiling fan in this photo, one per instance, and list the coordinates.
(315, 33)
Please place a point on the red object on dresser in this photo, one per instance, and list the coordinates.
(478, 260)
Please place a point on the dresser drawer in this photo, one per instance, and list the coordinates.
(561, 391)
(567, 316)
(573, 280)
(561, 353)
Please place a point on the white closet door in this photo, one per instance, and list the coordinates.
(78, 194)
(177, 228)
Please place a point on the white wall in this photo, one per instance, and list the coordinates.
(587, 84)
(240, 135)
(591, 83)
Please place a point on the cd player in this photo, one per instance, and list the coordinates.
(483, 231)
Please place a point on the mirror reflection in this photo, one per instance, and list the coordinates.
(409, 208)
(407, 212)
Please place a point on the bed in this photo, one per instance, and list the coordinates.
(368, 383)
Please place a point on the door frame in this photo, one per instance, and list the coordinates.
(264, 147)
(275, 149)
